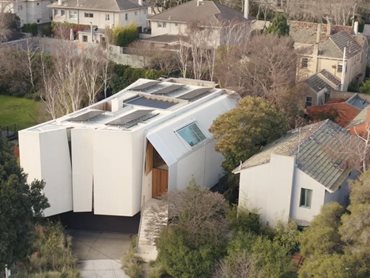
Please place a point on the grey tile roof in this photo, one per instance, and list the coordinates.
(208, 13)
(322, 80)
(317, 151)
(106, 5)
(344, 40)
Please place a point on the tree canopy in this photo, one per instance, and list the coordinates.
(242, 131)
(20, 206)
(279, 25)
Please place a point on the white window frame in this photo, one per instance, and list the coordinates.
(178, 130)
(307, 202)
(107, 17)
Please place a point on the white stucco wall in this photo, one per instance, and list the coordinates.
(102, 19)
(82, 169)
(53, 165)
(303, 214)
(267, 188)
(113, 173)
(170, 28)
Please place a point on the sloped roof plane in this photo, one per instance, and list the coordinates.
(106, 5)
(316, 148)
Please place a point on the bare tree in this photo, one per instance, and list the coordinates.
(77, 76)
(183, 56)
(31, 52)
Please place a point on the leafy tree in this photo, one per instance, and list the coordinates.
(365, 87)
(322, 237)
(242, 131)
(279, 25)
(196, 237)
(20, 205)
(123, 36)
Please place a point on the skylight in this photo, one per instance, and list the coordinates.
(191, 134)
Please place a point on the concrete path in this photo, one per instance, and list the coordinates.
(100, 253)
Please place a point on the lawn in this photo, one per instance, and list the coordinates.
(20, 111)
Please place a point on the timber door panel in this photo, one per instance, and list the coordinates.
(159, 182)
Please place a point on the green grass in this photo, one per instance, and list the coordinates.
(20, 111)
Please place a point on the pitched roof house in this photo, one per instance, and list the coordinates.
(342, 54)
(96, 14)
(114, 156)
(208, 14)
(305, 171)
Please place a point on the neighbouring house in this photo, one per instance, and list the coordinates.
(214, 18)
(317, 88)
(28, 11)
(340, 111)
(337, 50)
(292, 178)
(114, 156)
(96, 15)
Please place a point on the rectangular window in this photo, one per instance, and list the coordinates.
(84, 38)
(62, 12)
(107, 17)
(135, 13)
(73, 15)
(89, 15)
(55, 12)
(308, 101)
(339, 68)
(306, 195)
(159, 25)
(126, 16)
(304, 63)
(191, 134)
(164, 24)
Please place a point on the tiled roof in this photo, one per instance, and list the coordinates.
(317, 151)
(344, 40)
(208, 12)
(341, 112)
(106, 5)
(322, 80)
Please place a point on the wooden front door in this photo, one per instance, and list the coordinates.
(159, 182)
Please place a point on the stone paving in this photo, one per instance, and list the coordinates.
(100, 253)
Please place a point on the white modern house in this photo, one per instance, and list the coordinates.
(97, 15)
(28, 11)
(292, 178)
(112, 157)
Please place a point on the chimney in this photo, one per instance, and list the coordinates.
(198, 3)
(355, 28)
(60, 2)
(328, 28)
(140, 2)
(318, 33)
(246, 9)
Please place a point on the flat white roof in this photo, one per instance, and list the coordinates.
(145, 101)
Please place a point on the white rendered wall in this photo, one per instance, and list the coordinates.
(303, 214)
(82, 169)
(114, 178)
(171, 28)
(267, 188)
(100, 19)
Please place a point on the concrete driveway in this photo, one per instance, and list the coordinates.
(99, 253)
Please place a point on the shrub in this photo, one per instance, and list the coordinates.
(122, 36)
(365, 87)
(131, 263)
(30, 28)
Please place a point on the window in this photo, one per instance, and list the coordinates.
(55, 12)
(306, 195)
(308, 101)
(84, 38)
(164, 24)
(89, 15)
(73, 15)
(135, 13)
(38, 4)
(107, 16)
(339, 68)
(126, 16)
(191, 134)
(159, 24)
(20, 8)
(304, 63)
(62, 12)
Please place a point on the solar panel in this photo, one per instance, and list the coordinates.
(195, 94)
(168, 89)
(88, 115)
(150, 102)
(145, 86)
(133, 118)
